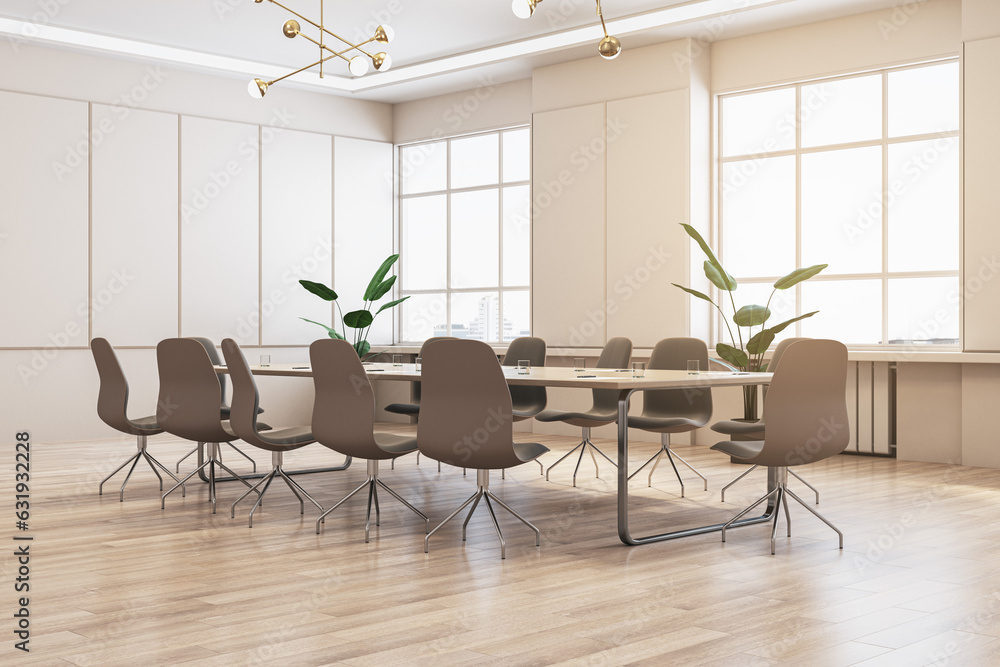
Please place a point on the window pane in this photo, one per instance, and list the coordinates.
(758, 123)
(423, 243)
(475, 239)
(923, 100)
(422, 316)
(842, 210)
(849, 310)
(923, 311)
(423, 168)
(516, 236)
(476, 315)
(516, 315)
(516, 155)
(836, 112)
(758, 202)
(923, 205)
(475, 161)
(782, 307)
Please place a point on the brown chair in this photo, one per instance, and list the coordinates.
(670, 411)
(224, 409)
(344, 420)
(243, 421)
(413, 409)
(466, 420)
(807, 421)
(188, 405)
(616, 354)
(527, 401)
(112, 408)
(755, 430)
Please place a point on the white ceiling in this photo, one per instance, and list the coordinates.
(440, 46)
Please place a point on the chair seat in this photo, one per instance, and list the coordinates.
(529, 451)
(147, 425)
(291, 437)
(403, 408)
(582, 419)
(732, 427)
(394, 445)
(664, 424)
(225, 411)
(742, 450)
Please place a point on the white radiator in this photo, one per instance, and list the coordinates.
(871, 407)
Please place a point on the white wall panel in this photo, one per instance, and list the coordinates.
(134, 203)
(568, 226)
(296, 235)
(648, 184)
(362, 228)
(219, 230)
(44, 233)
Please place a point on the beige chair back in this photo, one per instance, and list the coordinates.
(343, 416)
(465, 411)
(190, 393)
(806, 405)
(695, 404)
(616, 354)
(527, 399)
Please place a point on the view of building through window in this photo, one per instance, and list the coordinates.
(859, 172)
(465, 237)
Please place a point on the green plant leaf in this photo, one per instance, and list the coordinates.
(694, 292)
(386, 306)
(379, 276)
(358, 319)
(751, 316)
(716, 265)
(798, 275)
(382, 288)
(362, 348)
(760, 342)
(320, 290)
(722, 280)
(330, 330)
(733, 355)
(778, 328)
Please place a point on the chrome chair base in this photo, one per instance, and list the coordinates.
(583, 447)
(483, 492)
(134, 459)
(754, 467)
(665, 449)
(780, 493)
(265, 481)
(239, 451)
(372, 484)
(211, 462)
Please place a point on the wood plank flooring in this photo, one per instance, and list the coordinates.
(918, 582)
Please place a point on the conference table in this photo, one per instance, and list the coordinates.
(622, 381)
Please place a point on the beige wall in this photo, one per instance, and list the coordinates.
(486, 107)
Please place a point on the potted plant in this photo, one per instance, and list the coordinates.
(746, 353)
(360, 321)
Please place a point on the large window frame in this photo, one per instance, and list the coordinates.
(885, 275)
(449, 291)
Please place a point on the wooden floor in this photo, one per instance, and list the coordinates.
(918, 582)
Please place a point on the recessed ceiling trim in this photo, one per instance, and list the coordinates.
(659, 18)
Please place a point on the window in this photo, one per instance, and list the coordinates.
(465, 237)
(859, 172)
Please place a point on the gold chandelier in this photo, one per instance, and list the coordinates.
(609, 47)
(358, 64)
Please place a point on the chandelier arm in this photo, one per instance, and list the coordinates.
(338, 54)
(302, 69)
(599, 13)
(313, 24)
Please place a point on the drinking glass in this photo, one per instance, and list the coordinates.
(693, 366)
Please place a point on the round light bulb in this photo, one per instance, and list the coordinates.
(609, 47)
(257, 88)
(359, 65)
(382, 61)
(291, 28)
(384, 34)
(522, 9)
